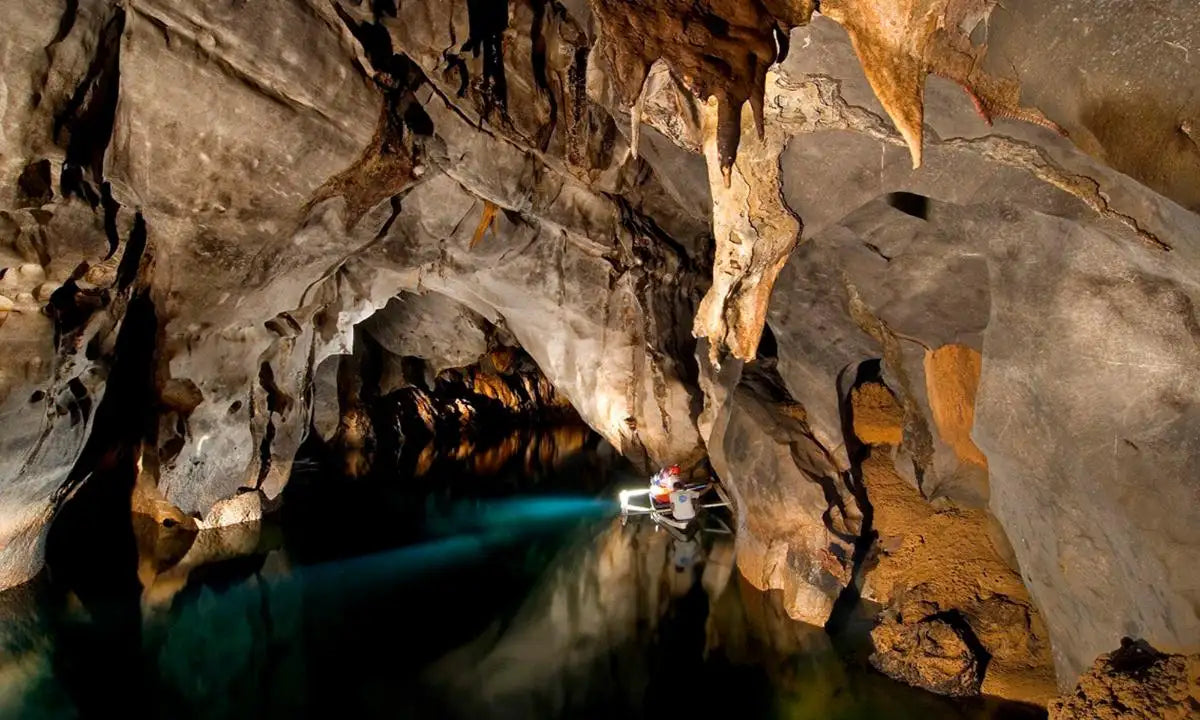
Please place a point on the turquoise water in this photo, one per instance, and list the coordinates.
(394, 600)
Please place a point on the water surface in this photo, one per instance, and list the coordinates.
(490, 584)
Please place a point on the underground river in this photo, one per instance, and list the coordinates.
(495, 582)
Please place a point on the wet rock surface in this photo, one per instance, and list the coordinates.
(242, 186)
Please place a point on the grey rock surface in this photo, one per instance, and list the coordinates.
(1093, 448)
(431, 327)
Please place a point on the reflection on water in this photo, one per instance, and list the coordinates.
(484, 606)
(627, 622)
(535, 448)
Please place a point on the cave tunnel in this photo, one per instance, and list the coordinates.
(599, 358)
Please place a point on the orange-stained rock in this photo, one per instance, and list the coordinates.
(1134, 682)
(952, 380)
(878, 418)
(933, 562)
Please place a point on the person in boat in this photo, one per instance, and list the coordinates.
(664, 482)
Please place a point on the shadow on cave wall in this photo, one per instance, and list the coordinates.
(91, 550)
(848, 601)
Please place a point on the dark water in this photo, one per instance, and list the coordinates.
(498, 589)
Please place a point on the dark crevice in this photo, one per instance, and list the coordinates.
(131, 260)
(958, 623)
(65, 23)
(849, 598)
(833, 501)
(264, 452)
(455, 64)
(170, 451)
(383, 8)
(81, 403)
(35, 186)
(111, 209)
(70, 306)
(909, 203)
(575, 95)
(396, 74)
(784, 42)
(90, 548)
(397, 205)
(278, 403)
(284, 325)
(487, 21)
(41, 247)
(875, 249)
(72, 183)
(358, 381)
(647, 234)
(768, 346)
(277, 400)
(537, 36)
(89, 117)
(376, 43)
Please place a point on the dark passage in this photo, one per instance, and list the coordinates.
(909, 204)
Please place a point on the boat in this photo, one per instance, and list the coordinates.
(682, 508)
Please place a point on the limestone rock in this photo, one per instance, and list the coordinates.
(266, 176)
(901, 42)
(861, 304)
(939, 562)
(930, 653)
(794, 514)
(245, 507)
(1134, 682)
(952, 383)
(1081, 566)
(878, 419)
(430, 326)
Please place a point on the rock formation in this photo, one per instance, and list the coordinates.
(705, 229)
(1135, 681)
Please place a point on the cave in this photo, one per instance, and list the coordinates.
(337, 337)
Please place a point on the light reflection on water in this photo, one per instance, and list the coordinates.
(518, 607)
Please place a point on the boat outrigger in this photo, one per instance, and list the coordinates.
(681, 507)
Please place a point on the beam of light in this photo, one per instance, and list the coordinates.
(466, 534)
(522, 514)
(359, 574)
(469, 532)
